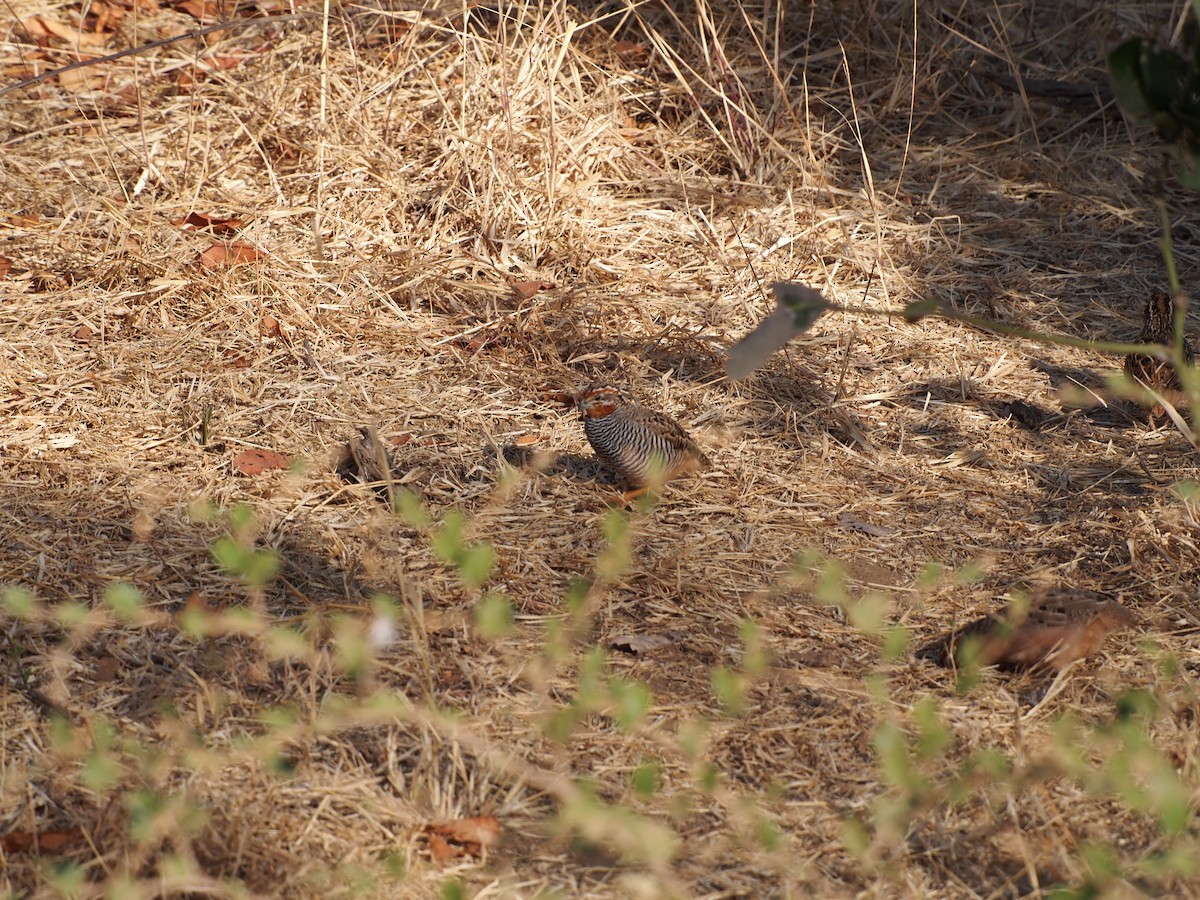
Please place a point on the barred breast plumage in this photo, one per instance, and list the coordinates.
(1159, 376)
(645, 447)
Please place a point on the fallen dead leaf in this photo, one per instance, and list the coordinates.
(194, 220)
(639, 644)
(461, 837)
(525, 440)
(255, 462)
(197, 603)
(268, 326)
(36, 30)
(632, 53)
(20, 221)
(526, 289)
(5, 266)
(399, 440)
(230, 255)
(83, 333)
(204, 10)
(32, 66)
(228, 62)
(71, 35)
(106, 669)
(50, 841)
(435, 621)
(848, 521)
(79, 81)
(441, 850)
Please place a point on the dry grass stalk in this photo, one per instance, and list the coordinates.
(403, 182)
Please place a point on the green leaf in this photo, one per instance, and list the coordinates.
(70, 614)
(494, 616)
(22, 603)
(125, 600)
(285, 642)
(255, 568)
(768, 835)
(919, 309)
(475, 566)
(409, 506)
(646, 778)
(933, 736)
(1187, 168)
(448, 540)
(895, 642)
(806, 304)
(1163, 76)
(1187, 490)
(728, 688)
(633, 702)
(1124, 68)
(67, 878)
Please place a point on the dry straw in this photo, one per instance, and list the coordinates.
(649, 169)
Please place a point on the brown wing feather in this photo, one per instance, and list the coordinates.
(1060, 627)
(670, 430)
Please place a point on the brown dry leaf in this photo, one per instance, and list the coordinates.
(79, 81)
(566, 398)
(105, 16)
(71, 35)
(846, 520)
(526, 289)
(195, 220)
(36, 29)
(441, 850)
(50, 841)
(435, 621)
(187, 80)
(235, 360)
(268, 326)
(255, 462)
(197, 603)
(204, 10)
(106, 669)
(525, 440)
(474, 833)
(21, 221)
(228, 62)
(632, 53)
(267, 8)
(5, 266)
(639, 644)
(230, 255)
(32, 65)
(399, 440)
(84, 333)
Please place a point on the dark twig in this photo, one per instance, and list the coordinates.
(142, 48)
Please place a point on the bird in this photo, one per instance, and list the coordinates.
(1158, 375)
(647, 448)
(1051, 631)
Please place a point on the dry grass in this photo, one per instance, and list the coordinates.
(401, 189)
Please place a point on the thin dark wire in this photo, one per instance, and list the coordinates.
(142, 48)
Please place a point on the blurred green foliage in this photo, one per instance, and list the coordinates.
(1160, 87)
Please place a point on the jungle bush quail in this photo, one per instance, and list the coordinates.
(1159, 376)
(645, 447)
(1056, 629)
